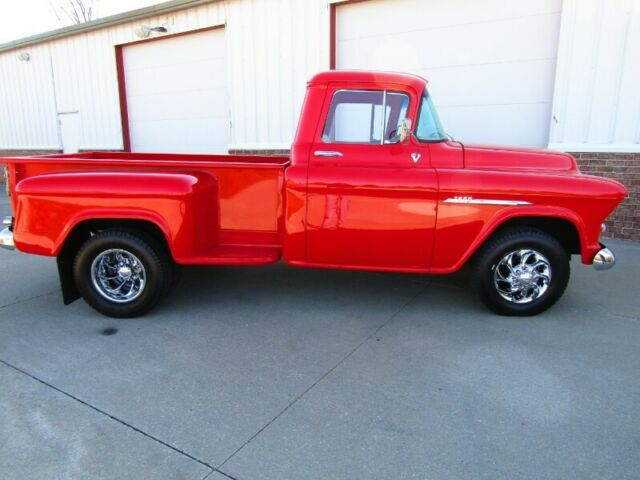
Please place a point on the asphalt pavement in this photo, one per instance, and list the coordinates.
(283, 373)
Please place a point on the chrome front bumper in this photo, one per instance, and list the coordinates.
(6, 235)
(604, 259)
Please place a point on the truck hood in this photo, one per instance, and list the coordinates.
(498, 157)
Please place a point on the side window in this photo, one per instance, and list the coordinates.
(429, 126)
(365, 116)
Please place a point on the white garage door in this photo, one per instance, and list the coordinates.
(490, 64)
(177, 94)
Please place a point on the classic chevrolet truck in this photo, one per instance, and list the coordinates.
(362, 189)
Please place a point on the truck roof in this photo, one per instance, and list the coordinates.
(368, 76)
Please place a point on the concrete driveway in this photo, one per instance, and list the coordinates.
(280, 373)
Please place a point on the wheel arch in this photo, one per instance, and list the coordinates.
(564, 228)
(82, 230)
(561, 229)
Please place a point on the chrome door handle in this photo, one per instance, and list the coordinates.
(327, 153)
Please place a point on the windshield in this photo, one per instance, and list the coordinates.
(429, 126)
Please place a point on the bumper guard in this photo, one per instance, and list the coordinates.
(6, 235)
(604, 259)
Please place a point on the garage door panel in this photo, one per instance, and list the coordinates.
(475, 54)
(399, 16)
(189, 136)
(520, 39)
(512, 82)
(179, 105)
(488, 42)
(204, 132)
(153, 134)
(185, 49)
(490, 124)
(181, 76)
(177, 95)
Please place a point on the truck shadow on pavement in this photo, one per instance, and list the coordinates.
(280, 289)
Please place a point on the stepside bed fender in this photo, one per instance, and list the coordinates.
(51, 206)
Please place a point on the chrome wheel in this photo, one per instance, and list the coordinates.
(522, 276)
(118, 275)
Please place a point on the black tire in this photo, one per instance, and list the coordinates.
(149, 267)
(493, 263)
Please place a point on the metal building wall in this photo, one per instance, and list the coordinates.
(596, 104)
(273, 47)
(27, 106)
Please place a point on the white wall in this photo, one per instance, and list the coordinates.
(273, 48)
(27, 107)
(597, 101)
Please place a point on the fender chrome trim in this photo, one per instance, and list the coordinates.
(485, 201)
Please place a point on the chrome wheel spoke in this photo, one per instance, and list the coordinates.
(112, 277)
(119, 287)
(525, 256)
(502, 277)
(528, 279)
(539, 264)
(543, 277)
(118, 275)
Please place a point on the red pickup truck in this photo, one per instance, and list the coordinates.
(362, 189)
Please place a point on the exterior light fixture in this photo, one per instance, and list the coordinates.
(24, 56)
(144, 31)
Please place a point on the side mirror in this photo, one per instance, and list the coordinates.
(404, 132)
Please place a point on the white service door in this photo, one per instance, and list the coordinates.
(70, 131)
(490, 64)
(177, 94)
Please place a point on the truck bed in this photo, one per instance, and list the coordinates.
(244, 227)
(160, 159)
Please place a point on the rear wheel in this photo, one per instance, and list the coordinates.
(521, 272)
(122, 274)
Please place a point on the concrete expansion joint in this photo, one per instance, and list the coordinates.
(326, 374)
(626, 317)
(17, 302)
(116, 419)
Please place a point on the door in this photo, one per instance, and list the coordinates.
(70, 131)
(491, 64)
(371, 198)
(177, 97)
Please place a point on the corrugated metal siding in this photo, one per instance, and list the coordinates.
(27, 108)
(273, 48)
(596, 104)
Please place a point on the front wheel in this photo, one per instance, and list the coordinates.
(521, 272)
(121, 274)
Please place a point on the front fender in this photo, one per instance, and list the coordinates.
(458, 239)
(182, 205)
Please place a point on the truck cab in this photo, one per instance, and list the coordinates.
(371, 192)
(376, 197)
